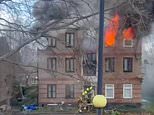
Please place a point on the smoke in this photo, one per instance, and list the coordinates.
(89, 43)
(45, 10)
(51, 10)
(148, 65)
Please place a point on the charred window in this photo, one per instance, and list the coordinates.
(89, 64)
(128, 43)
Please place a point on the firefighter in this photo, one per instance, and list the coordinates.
(85, 99)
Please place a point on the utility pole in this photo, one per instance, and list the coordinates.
(100, 52)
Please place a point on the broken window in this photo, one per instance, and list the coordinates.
(89, 64)
(127, 43)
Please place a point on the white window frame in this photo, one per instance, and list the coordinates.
(128, 46)
(109, 86)
(127, 87)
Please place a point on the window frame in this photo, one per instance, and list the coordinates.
(69, 61)
(52, 92)
(110, 64)
(126, 88)
(50, 63)
(113, 90)
(34, 81)
(51, 43)
(128, 46)
(132, 64)
(92, 57)
(68, 40)
(72, 95)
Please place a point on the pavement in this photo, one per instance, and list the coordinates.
(51, 113)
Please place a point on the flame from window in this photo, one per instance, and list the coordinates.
(129, 33)
(111, 31)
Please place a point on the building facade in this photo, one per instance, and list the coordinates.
(67, 69)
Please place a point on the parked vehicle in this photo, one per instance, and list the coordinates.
(29, 107)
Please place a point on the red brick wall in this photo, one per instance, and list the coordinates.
(118, 78)
(60, 91)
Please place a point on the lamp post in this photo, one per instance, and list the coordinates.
(100, 52)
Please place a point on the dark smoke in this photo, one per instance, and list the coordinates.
(49, 10)
(46, 10)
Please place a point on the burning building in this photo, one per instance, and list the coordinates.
(69, 68)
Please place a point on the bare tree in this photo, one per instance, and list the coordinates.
(25, 22)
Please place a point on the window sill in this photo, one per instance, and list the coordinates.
(127, 98)
(69, 98)
(127, 71)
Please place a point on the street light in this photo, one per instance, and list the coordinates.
(100, 52)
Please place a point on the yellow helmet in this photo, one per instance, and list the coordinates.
(85, 92)
(87, 89)
(91, 88)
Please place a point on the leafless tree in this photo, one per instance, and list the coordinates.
(25, 22)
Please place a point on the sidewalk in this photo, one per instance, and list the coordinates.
(51, 113)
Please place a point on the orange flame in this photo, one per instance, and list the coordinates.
(129, 33)
(111, 31)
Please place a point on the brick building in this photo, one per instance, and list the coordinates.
(68, 68)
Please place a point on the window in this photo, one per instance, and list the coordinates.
(51, 91)
(127, 90)
(52, 63)
(127, 64)
(34, 80)
(109, 64)
(69, 91)
(69, 40)
(109, 91)
(127, 43)
(89, 64)
(51, 42)
(69, 64)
